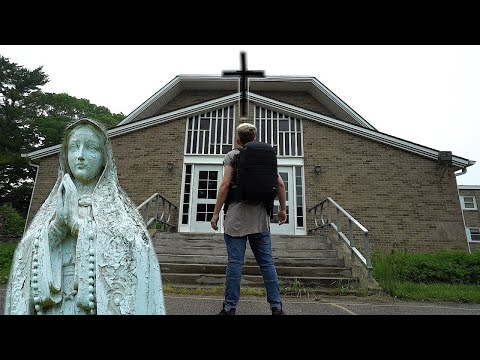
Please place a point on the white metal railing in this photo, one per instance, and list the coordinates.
(320, 222)
(163, 211)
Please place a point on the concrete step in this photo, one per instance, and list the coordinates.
(200, 259)
(287, 244)
(249, 260)
(219, 236)
(212, 250)
(193, 237)
(255, 280)
(255, 270)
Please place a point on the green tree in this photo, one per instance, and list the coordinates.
(55, 111)
(17, 86)
(30, 120)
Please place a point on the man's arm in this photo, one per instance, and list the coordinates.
(282, 210)
(222, 195)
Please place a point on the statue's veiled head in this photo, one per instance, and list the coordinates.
(84, 150)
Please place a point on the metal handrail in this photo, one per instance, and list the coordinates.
(350, 240)
(162, 215)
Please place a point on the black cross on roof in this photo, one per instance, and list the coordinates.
(244, 74)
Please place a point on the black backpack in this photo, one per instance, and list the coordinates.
(255, 176)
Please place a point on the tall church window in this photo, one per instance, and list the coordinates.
(186, 194)
(299, 195)
(281, 131)
(210, 133)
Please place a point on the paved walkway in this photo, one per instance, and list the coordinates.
(320, 305)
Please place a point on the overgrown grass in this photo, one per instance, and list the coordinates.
(6, 255)
(437, 292)
(439, 276)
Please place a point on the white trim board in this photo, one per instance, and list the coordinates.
(469, 187)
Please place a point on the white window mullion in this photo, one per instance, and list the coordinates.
(228, 131)
(232, 134)
(198, 132)
(261, 127)
(191, 135)
(271, 128)
(288, 135)
(301, 137)
(215, 139)
(210, 132)
(221, 135)
(259, 130)
(278, 133)
(186, 138)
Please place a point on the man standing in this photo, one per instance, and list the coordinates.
(247, 220)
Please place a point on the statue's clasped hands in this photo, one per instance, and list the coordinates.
(67, 205)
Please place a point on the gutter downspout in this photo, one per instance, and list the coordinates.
(36, 166)
(464, 170)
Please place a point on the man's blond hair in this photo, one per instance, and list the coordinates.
(246, 132)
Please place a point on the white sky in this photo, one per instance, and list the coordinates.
(426, 94)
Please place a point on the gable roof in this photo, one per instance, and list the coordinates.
(315, 88)
(276, 105)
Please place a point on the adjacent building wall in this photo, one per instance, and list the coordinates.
(472, 217)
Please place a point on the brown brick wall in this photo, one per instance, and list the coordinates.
(396, 195)
(192, 97)
(46, 177)
(142, 158)
(298, 98)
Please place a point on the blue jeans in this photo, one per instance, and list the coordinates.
(261, 245)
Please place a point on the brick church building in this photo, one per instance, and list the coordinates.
(174, 143)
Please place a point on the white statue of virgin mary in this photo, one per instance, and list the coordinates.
(87, 250)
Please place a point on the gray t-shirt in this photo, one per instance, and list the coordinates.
(244, 217)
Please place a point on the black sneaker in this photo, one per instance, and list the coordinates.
(277, 311)
(229, 312)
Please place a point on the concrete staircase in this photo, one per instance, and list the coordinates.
(200, 260)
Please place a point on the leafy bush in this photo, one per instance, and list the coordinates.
(450, 267)
(14, 222)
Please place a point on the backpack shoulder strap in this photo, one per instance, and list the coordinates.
(233, 190)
